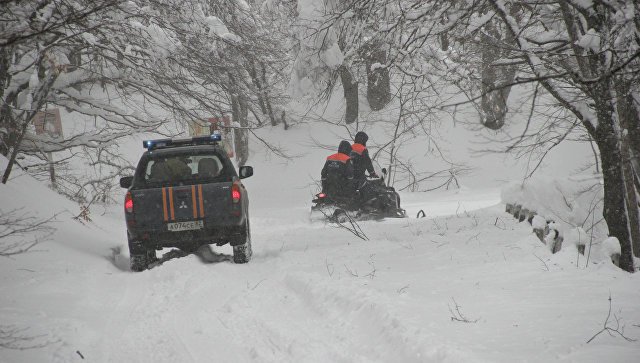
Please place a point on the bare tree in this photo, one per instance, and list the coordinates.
(20, 232)
(342, 39)
(129, 67)
(601, 51)
(584, 56)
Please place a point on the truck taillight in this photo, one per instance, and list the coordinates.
(235, 193)
(128, 203)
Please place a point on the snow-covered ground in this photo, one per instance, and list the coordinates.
(467, 283)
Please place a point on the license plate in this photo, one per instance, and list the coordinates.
(185, 226)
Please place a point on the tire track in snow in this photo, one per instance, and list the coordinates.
(379, 335)
(138, 324)
(289, 318)
(280, 327)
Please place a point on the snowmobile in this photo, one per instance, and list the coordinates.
(373, 200)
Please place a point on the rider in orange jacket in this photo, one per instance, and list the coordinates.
(360, 157)
(337, 173)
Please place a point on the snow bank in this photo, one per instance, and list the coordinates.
(611, 246)
(566, 201)
(571, 206)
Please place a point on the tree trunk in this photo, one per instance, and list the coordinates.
(39, 99)
(615, 207)
(629, 122)
(378, 79)
(283, 119)
(261, 84)
(631, 198)
(632, 118)
(258, 85)
(240, 111)
(14, 154)
(350, 88)
(444, 42)
(265, 94)
(6, 125)
(495, 93)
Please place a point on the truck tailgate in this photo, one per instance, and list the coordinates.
(201, 202)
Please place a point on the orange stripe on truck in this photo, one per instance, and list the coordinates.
(201, 201)
(193, 201)
(164, 204)
(173, 214)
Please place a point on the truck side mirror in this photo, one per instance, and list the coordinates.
(246, 171)
(125, 182)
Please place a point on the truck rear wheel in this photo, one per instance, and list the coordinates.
(242, 253)
(140, 257)
(138, 263)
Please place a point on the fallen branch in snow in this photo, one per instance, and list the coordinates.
(457, 314)
(14, 338)
(354, 274)
(541, 260)
(371, 274)
(408, 247)
(352, 225)
(256, 285)
(330, 272)
(612, 331)
(472, 237)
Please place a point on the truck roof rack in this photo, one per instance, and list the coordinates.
(212, 139)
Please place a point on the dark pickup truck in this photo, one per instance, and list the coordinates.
(185, 194)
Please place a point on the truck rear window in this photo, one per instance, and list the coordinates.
(185, 169)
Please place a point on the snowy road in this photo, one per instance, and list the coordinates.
(311, 293)
(462, 285)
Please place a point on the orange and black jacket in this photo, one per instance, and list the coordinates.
(338, 167)
(361, 161)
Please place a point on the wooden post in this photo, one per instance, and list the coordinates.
(509, 208)
(523, 214)
(516, 210)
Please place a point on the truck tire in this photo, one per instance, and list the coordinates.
(140, 257)
(138, 263)
(242, 253)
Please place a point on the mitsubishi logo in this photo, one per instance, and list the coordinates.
(183, 204)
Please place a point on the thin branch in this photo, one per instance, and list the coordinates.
(613, 331)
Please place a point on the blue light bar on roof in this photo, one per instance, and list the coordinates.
(152, 144)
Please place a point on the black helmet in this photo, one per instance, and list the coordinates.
(361, 138)
(345, 147)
